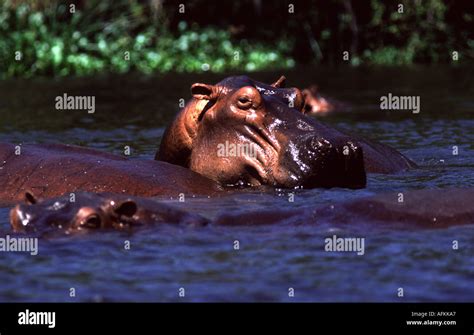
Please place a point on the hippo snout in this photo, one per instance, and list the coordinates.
(336, 163)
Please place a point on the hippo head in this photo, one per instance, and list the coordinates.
(244, 132)
(87, 212)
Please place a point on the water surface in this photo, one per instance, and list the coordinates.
(133, 110)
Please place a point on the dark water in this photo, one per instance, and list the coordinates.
(133, 110)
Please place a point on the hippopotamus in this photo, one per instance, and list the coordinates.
(283, 148)
(317, 103)
(83, 212)
(427, 208)
(54, 169)
(289, 148)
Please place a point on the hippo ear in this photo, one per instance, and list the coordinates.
(30, 199)
(203, 91)
(280, 83)
(126, 208)
(307, 105)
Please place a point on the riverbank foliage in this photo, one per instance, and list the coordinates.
(53, 38)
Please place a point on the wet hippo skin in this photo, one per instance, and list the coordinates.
(430, 209)
(292, 149)
(92, 211)
(420, 209)
(54, 169)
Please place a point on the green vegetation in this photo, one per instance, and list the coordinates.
(418, 34)
(55, 42)
(44, 38)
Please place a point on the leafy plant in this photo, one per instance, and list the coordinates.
(119, 38)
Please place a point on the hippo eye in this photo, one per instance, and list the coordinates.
(244, 102)
(92, 222)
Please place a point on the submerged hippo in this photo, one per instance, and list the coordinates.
(419, 209)
(427, 208)
(54, 169)
(92, 211)
(316, 103)
(280, 146)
